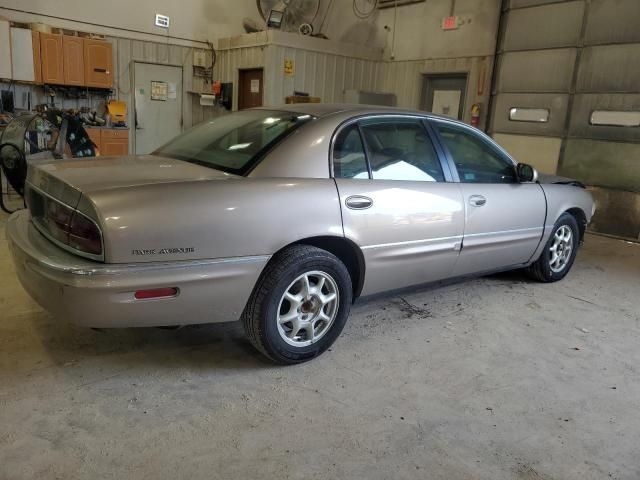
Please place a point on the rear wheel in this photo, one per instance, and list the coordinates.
(299, 305)
(559, 252)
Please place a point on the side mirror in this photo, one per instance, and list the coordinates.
(526, 173)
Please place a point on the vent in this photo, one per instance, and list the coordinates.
(382, 4)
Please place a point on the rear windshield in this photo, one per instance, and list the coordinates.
(233, 143)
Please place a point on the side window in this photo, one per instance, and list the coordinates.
(400, 149)
(475, 159)
(349, 160)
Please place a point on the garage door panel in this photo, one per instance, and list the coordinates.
(556, 104)
(611, 68)
(604, 164)
(537, 71)
(547, 26)
(613, 21)
(617, 213)
(529, 3)
(541, 152)
(585, 104)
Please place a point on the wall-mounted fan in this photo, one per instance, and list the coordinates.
(290, 15)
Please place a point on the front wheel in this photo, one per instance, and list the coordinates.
(559, 252)
(299, 305)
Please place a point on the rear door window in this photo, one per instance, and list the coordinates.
(401, 149)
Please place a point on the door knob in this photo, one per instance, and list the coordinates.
(358, 202)
(477, 200)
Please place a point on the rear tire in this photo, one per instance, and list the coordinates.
(299, 306)
(559, 252)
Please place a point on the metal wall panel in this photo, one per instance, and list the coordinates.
(555, 103)
(323, 75)
(584, 104)
(529, 3)
(611, 68)
(613, 21)
(618, 212)
(541, 152)
(536, 71)
(603, 163)
(546, 26)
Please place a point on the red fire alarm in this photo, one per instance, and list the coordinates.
(450, 23)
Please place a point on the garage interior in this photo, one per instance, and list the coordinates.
(496, 377)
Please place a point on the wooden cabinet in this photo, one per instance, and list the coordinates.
(94, 135)
(52, 58)
(73, 60)
(98, 63)
(37, 58)
(110, 141)
(114, 142)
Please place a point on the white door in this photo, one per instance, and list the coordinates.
(158, 105)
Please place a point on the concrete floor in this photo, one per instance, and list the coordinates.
(494, 378)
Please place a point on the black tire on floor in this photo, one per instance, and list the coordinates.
(260, 317)
(541, 269)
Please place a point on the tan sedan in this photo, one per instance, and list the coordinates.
(283, 217)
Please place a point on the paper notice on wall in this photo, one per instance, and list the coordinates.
(173, 91)
(159, 91)
(255, 85)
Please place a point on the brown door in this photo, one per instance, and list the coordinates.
(250, 91)
(73, 54)
(98, 60)
(37, 58)
(52, 63)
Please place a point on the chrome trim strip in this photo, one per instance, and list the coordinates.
(62, 245)
(412, 242)
(500, 232)
(128, 268)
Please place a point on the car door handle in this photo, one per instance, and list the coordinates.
(358, 202)
(477, 200)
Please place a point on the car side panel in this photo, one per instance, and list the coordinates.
(214, 219)
(561, 198)
(410, 235)
(505, 231)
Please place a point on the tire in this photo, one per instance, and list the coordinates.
(282, 293)
(545, 269)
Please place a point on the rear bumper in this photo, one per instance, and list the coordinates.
(102, 295)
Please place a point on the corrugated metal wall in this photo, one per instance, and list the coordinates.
(572, 58)
(126, 52)
(324, 75)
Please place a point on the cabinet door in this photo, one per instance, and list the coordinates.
(22, 54)
(98, 60)
(94, 135)
(73, 58)
(114, 146)
(5, 50)
(114, 142)
(37, 57)
(52, 58)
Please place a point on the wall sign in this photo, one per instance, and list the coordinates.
(159, 91)
(255, 85)
(288, 67)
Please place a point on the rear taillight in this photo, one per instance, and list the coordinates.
(65, 224)
(84, 235)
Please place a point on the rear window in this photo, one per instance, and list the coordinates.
(234, 143)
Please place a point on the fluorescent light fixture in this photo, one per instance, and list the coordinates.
(239, 146)
(614, 118)
(276, 16)
(537, 115)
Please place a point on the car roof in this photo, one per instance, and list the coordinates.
(320, 110)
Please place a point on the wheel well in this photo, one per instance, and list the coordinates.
(348, 253)
(581, 218)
